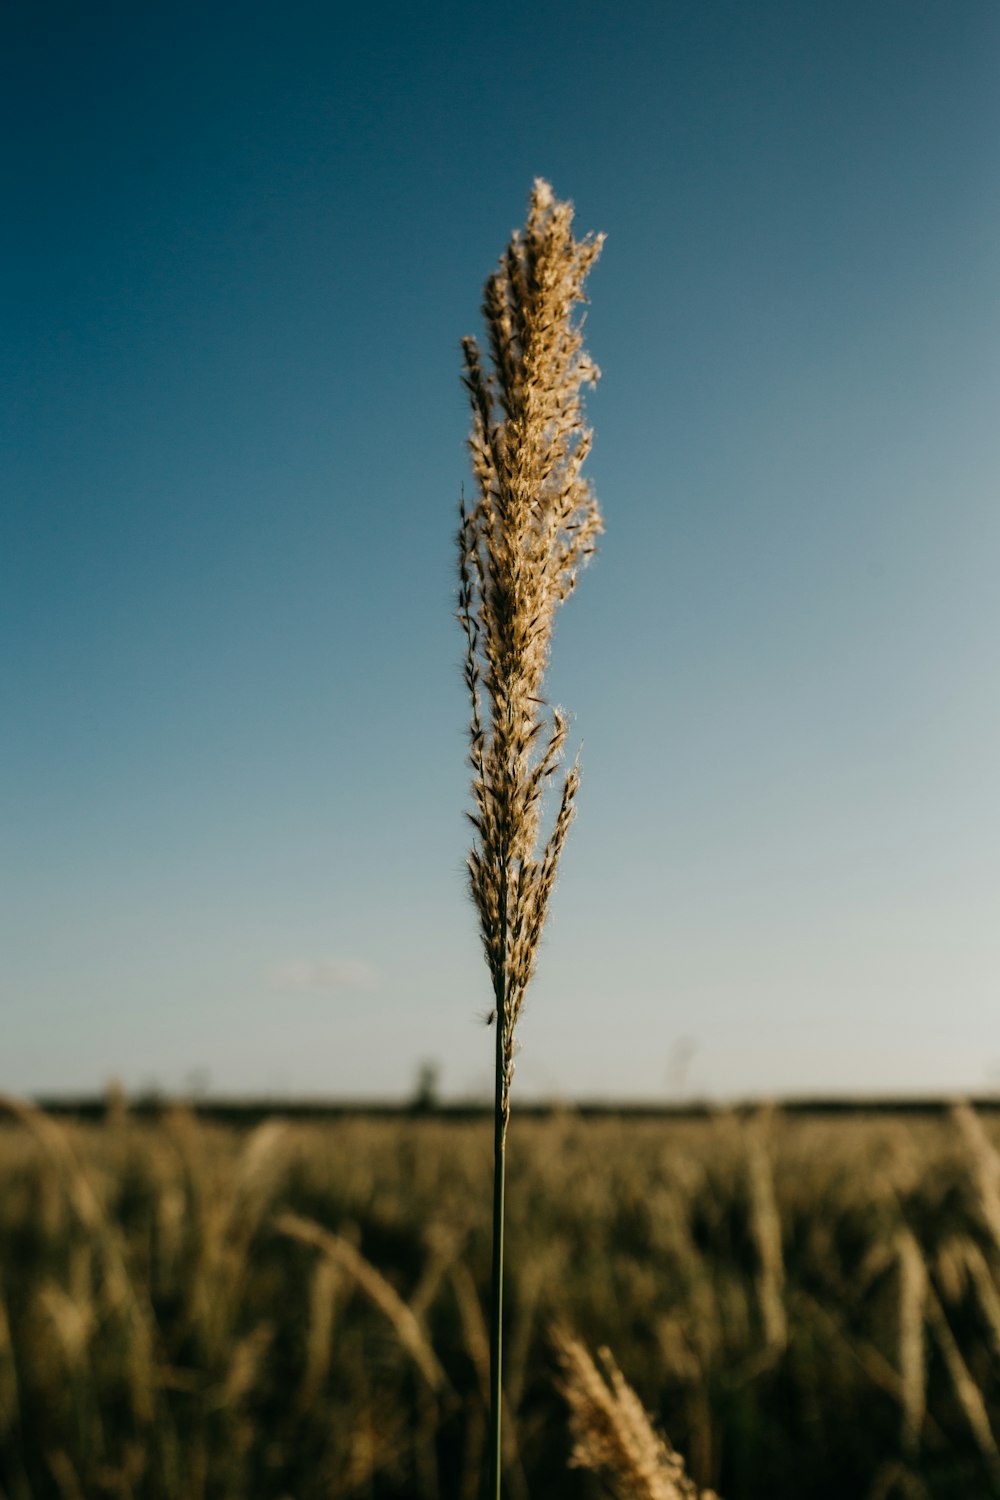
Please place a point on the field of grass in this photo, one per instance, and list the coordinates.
(188, 1311)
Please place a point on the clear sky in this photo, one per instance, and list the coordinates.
(241, 244)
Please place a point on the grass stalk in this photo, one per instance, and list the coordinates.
(496, 1279)
(520, 546)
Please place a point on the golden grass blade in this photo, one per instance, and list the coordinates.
(120, 1289)
(247, 1358)
(474, 1329)
(985, 1288)
(444, 1245)
(913, 1289)
(326, 1279)
(967, 1392)
(56, 1145)
(375, 1287)
(73, 1320)
(766, 1227)
(985, 1166)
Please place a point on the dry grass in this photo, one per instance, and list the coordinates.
(350, 1359)
(521, 545)
(912, 1350)
(612, 1433)
(381, 1294)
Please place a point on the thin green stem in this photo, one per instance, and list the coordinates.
(496, 1290)
(499, 1182)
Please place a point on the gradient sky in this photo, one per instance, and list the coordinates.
(241, 244)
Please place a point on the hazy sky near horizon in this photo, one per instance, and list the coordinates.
(242, 243)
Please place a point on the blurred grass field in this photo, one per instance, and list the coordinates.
(808, 1305)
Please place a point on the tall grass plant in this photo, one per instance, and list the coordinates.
(521, 544)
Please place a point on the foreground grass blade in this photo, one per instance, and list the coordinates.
(521, 544)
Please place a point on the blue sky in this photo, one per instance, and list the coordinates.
(242, 245)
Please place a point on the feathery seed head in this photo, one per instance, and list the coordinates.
(612, 1433)
(521, 544)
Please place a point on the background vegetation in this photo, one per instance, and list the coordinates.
(808, 1305)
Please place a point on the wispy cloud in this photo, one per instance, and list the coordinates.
(313, 976)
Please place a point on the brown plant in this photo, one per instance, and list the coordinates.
(520, 547)
(612, 1433)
